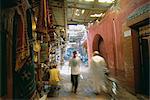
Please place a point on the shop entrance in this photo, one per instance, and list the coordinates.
(144, 41)
(141, 53)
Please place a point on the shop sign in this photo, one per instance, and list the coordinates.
(127, 33)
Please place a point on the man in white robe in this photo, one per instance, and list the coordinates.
(97, 67)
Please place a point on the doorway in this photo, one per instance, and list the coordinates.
(141, 56)
(144, 41)
(98, 45)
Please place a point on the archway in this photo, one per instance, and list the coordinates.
(98, 45)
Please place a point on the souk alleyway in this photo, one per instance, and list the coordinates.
(38, 34)
(85, 90)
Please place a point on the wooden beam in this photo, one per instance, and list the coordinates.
(101, 5)
(86, 8)
(99, 8)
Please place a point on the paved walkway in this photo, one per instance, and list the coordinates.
(85, 90)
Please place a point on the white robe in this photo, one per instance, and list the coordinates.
(97, 67)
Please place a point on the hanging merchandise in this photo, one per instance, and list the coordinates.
(42, 18)
(33, 24)
(36, 46)
(24, 80)
(42, 29)
(44, 52)
(35, 57)
(24, 72)
(22, 46)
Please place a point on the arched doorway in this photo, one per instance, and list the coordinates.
(98, 45)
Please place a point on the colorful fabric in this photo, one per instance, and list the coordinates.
(42, 22)
(25, 84)
(22, 47)
(24, 76)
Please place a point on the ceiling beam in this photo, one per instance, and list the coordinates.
(76, 22)
(93, 9)
(88, 14)
(73, 10)
(80, 20)
(101, 5)
(102, 8)
(86, 8)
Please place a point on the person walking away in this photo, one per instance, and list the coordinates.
(97, 66)
(74, 63)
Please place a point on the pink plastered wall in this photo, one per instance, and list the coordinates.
(110, 29)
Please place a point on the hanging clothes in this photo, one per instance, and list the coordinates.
(24, 77)
(22, 47)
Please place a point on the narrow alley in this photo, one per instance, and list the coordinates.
(85, 90)
(74, 49)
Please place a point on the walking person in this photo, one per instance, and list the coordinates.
(97, 67)
(74, 63)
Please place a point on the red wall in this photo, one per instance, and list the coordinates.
(118, 49)
(109, 29)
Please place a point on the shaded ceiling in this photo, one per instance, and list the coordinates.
(74, 11)
(69, 11)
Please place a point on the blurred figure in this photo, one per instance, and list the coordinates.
(97, 67)
(74, 63)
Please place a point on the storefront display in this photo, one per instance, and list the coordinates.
(23, 75)
(44, 52)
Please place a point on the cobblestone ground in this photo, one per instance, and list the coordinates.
(85, 90)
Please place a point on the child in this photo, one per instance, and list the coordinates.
(54, 81)
(54, 75)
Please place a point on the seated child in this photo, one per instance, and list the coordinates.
(54, 75)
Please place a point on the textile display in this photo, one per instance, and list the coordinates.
(36, 46)
(24, 77)
(22, 48)
(42, 18)
(25, 84)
